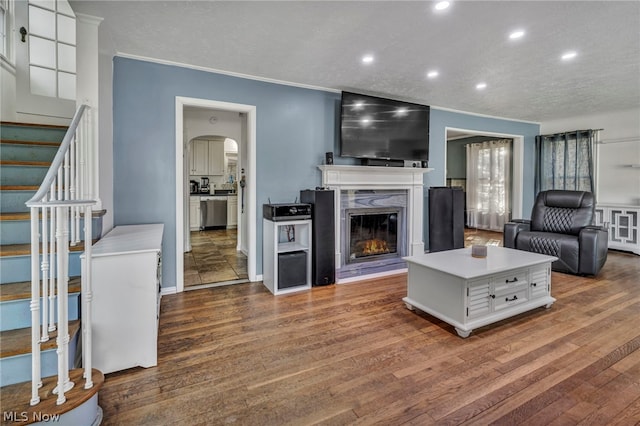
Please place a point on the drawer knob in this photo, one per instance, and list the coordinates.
(534, 284)
(511, 281)
(511, 300)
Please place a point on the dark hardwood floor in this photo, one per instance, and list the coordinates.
(353, 354)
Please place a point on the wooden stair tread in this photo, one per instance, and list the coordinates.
(44, 126)
(24, 142)
(18, 342)
(16, 216)
(15, 398)
(25, 249)
(22, 290)
(19, 187)
(25, 163)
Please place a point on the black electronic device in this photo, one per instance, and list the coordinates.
(286, 211)
(328, 158)
(323, 250)
(446, 218)
(384, 129)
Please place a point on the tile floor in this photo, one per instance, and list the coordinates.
(214, 259)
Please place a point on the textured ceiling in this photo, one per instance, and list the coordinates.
(320, 43)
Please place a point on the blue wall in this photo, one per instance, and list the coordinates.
(441, 119)
(295, 127)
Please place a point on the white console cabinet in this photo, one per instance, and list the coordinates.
(624, 225)
(286, 252)
(126, 273)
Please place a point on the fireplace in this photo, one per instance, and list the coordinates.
(373, 233)
(387, 191)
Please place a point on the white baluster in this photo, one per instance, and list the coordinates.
(45, 276)
(87, 293)
(52, 267)
(35, 309)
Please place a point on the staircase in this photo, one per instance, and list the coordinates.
(26, 153)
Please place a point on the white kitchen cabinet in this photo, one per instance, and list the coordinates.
(126, 274)
(200, 157)
(194, 213)
(216, 158)
(232, 211)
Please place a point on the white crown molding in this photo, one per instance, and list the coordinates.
(89, 19)
(229, 73)
(483, 115)
(288, 83)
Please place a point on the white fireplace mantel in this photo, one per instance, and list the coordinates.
(411, 179)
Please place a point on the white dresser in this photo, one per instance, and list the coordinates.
(126, 278)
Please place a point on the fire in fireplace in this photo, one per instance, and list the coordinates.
(373, 233)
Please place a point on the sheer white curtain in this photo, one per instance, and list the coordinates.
(489, 184)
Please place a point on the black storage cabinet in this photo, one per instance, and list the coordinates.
(292, 269)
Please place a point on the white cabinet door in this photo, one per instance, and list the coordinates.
(200, 158)
(232, 212)
(216, 158)
(194, 213)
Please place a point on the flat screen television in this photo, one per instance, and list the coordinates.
(379, 128)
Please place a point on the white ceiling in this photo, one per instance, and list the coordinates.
(320, 43)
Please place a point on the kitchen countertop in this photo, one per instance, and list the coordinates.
(214, 195)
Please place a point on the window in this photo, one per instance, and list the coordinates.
(52, 49)
(5, 15)
(565, 161)
(489, 184)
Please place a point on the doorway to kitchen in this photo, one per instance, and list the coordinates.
(213, 253)
(215, 122)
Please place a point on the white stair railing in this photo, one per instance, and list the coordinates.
(56, 211)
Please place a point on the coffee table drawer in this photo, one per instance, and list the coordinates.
(510, 281)
(511, 297)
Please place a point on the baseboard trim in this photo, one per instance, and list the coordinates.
(169, 290)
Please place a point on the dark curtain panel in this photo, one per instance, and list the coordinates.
(565, 161)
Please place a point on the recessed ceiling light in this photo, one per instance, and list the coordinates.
(367, 59)
(481, 86)
(569, 55)
(516, 34)
(432, 74)
(442, 5)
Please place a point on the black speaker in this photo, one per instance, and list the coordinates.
(323, 250)
(292, 269)
(328, 158)
(446, 218)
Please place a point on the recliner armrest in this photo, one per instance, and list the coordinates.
(511, 230)
(594, 244)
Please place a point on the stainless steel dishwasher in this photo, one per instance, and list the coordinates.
(213, 212)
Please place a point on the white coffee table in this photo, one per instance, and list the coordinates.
(469, 292)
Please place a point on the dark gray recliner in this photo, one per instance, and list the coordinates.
(560, 226)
